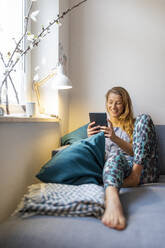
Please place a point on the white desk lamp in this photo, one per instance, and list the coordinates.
(60, 82)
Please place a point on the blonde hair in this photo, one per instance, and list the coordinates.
(126, 119)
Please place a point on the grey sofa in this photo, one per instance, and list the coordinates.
(144, 207)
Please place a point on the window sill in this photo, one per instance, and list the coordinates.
(12, 118)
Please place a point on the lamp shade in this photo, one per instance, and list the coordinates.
(60, 81)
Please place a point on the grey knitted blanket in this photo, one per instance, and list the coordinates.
(62, 200)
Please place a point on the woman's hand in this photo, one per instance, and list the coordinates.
(91, 130)
(109, 131)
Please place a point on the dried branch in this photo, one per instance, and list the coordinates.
(2, 58)
(16, 94)
(7, 99)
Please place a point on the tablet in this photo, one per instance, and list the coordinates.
(100, 118)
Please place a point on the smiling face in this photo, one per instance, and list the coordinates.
(115, 105)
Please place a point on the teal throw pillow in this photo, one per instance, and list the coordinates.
(76, 135)
(79, 163)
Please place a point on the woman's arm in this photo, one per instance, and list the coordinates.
(124, 145)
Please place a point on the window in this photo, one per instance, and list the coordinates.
(38, 61)
(11, 30)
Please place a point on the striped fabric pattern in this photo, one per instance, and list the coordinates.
(62, 200)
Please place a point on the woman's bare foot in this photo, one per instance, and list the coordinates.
(113, 216)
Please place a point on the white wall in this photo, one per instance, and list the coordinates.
(25, 147)
(116, 42)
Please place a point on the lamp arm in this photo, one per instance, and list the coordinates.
(38, 96)
(36, 86)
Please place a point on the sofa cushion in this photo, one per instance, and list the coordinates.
(160, 131)
(83, 162)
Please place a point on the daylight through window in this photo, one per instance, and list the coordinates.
(11, 30)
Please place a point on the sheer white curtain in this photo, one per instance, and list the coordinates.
(11, 30)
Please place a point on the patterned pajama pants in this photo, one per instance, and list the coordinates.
(118, 166)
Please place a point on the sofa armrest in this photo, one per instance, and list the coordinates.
(54, 152)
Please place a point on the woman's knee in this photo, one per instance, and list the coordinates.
(143, 126)
(143, 118)
(144, 139)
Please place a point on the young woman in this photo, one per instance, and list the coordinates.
(131, 153)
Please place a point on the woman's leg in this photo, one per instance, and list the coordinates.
(113, 216)
(115, 170)
(145, 148)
